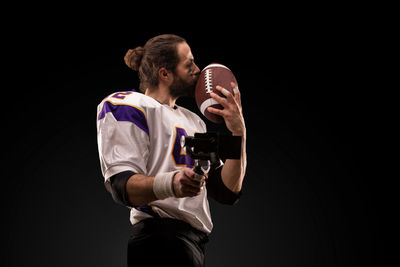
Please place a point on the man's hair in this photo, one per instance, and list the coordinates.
(159, 51)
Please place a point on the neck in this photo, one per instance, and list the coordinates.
(162, 96)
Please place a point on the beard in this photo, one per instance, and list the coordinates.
(179, 87)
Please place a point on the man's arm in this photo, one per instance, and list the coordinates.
(233, 171)
(140, 188)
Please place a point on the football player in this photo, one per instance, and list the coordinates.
(144, 165)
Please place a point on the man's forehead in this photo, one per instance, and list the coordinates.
(185, 53)
(189, 55)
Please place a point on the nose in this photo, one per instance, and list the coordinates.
(196, 70)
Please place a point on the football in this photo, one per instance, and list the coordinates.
(212, 75)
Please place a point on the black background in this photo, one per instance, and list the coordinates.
(314, 193)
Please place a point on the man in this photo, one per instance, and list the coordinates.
(143, 163)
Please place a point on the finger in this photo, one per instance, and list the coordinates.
(222, 90)
(233, 101)
(188, 172)
(216, 111)
(226, 93)
(220, 100)
(198, 177)
(236, 93)
(189, 188)
(235, 88)
(192, 181)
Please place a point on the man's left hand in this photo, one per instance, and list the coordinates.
(232, 109)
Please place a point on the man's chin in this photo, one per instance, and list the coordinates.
(181, 88)
(191, 89)
(184, 92)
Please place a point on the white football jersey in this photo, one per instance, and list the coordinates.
(137, 133)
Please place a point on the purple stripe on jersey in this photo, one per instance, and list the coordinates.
(123, 112)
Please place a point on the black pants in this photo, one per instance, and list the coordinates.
(166, 242)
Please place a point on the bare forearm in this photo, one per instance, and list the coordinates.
(142, 189)
(234, 170)
(139, 189)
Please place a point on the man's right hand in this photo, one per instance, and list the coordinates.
(186, 185)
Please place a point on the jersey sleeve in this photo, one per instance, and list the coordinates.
(203, 125)
(123, 139)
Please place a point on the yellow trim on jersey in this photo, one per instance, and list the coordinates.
(154, 209)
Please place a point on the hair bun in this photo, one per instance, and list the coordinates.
(133, 57)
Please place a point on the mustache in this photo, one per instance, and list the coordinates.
(197, 74)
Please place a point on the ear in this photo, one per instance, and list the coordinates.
(164, 74)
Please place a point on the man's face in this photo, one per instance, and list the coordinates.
(186, 73)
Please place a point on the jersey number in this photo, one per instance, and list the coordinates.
(122, 95)
(180, 158)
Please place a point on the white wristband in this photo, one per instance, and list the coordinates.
(163, 185)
